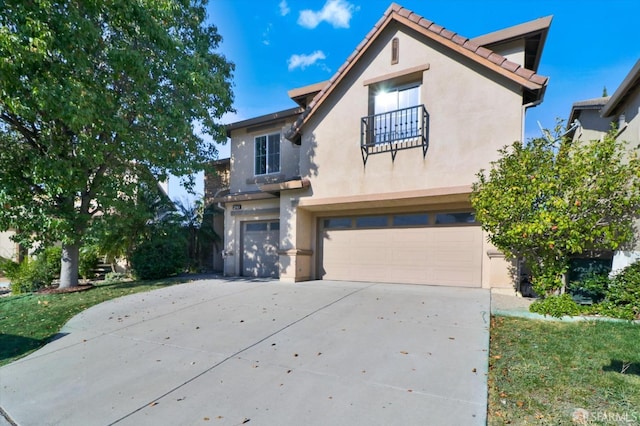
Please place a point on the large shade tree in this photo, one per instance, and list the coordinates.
(96, 97)
(553, 198)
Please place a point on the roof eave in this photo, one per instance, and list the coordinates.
(627, 84)
(263, 119)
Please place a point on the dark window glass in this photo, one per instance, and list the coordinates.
(371, 222)
(275, 226)
(256, 227)
(449, 218)
(267, 154)
(343, 222)
(414, 219)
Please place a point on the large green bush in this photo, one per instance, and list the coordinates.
(617, 297)
(159, 257)
(624, 290)
(34, 274)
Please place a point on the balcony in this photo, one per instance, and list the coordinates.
(395, 131)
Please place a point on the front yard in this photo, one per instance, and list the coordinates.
(28, 321)
(564, 373)
(540, 372)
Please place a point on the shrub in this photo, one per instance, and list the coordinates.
(556, 306)
(33, 274)
(51, 257)
(88, 262)
(159, 257)
(624, 290)
(593, 286)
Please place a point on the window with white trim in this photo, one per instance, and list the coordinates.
(395, 119)
(267, 154)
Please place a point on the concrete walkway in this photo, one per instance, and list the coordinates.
(232, 352)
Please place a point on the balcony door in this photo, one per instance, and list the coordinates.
(394, 118)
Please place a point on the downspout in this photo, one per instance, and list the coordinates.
(524, 115)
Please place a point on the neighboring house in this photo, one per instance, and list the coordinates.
(595, 117)
(369, 177)
(8, 248)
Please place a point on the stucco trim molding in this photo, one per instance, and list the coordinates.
(456, 194)
(243, 196)
(295, 252)
(495, 253)
(256, 212)
(397, 74)
(297, 183)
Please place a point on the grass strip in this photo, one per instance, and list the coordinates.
(560, 373)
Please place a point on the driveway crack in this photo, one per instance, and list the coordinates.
(236, 354)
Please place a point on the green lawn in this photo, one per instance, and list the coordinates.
(541, 372)
(28, 321)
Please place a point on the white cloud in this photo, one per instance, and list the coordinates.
(266, 40)
(284, 8)
(303, 61)
(335, 12)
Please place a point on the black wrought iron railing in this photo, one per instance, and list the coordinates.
(394, 131)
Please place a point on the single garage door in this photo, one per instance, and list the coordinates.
(414, 248)
(260, 249)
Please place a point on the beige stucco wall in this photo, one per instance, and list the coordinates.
(242, 156)
(471, 116)
(250, 211)
(593, 126)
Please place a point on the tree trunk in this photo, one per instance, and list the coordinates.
(69, 267)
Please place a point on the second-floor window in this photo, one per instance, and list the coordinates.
(394, 118)
(267, 154)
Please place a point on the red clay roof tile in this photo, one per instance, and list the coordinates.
(510, 66)
(458, 39)
(424, 22)
(435, 28)
(484, 52)
(537, 78)
(404, 12)
(469, 45)
(496, 59)
(523, 72)
(414, 18)
(447, 34)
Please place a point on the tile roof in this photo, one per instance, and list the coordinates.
(526, 78)
(594, 103)
(587, 104)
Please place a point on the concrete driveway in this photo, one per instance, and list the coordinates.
(230, 352)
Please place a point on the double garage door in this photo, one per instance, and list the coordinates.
(414, 248)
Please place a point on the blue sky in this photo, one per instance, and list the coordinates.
(278, 45)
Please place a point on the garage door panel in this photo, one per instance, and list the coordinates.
(260, 251)
(427, 255)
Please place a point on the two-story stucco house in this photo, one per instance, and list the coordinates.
(368, 178)
(596, 116)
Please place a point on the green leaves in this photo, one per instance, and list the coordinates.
(97, 98)
(547, 201)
